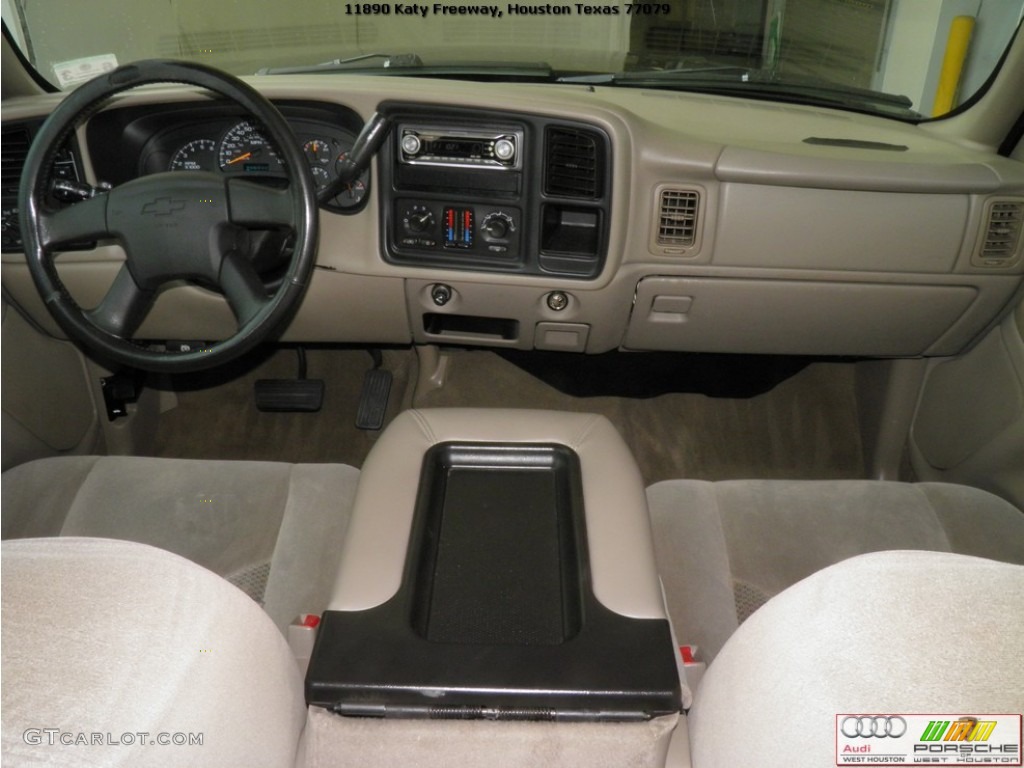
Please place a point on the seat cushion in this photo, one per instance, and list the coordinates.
(272, 529)
(888, 632)
(120, 639)
(724, 548)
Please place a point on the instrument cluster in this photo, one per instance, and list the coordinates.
(240, 147)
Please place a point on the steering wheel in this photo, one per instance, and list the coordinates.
(182, 225)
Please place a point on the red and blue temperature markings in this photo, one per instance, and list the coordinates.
(458, 228)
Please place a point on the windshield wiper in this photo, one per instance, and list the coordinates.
(657, 75)
(388, 61)
(757, 83)
(411, 65)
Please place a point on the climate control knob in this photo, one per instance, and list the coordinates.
(497, 225)
(418, 219)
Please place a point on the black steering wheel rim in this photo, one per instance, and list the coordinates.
(262, 318)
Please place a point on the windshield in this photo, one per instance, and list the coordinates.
(904, 58)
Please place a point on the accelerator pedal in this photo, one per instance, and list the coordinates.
(299, 395)
(373, 401)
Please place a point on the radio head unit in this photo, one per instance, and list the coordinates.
(487, 149)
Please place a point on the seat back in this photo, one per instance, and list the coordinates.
(883, 633)
(117, 653)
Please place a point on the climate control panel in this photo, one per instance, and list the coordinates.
(451, 228)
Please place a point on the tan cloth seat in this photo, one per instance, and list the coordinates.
(888, 632)
(111, 648)
(275, 530)
(724, 548)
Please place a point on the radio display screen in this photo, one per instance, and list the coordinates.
(455, 147)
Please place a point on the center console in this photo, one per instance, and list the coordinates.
(498, 566)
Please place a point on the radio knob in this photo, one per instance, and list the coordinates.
(411, 144)
(504, 149)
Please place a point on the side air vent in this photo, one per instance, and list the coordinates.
(16, 141)
(572, 163)
(17, 138)
(1004, 223)
(678, 216)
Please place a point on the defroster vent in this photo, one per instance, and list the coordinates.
(573, 163)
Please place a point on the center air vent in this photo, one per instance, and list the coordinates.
(572, 165)
(1004, 223)
(677, 219)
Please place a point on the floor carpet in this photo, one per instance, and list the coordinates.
(804, 427)
(216, 416)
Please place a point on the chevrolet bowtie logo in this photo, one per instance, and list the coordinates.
(164, 206)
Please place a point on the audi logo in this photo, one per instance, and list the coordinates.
(873, 726)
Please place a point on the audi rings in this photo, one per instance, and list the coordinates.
(873, 726)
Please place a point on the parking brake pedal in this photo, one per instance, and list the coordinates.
(299, 395)
(373, 401)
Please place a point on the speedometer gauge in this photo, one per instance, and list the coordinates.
(244, 149)
(198, 155)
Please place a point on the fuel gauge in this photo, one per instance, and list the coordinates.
(318, 153)
(352, 194)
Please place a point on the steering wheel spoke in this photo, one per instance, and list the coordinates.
(86, 220)
(124, 307)
(242, 287)
(257, 205)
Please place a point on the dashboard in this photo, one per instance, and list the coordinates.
(583, 219)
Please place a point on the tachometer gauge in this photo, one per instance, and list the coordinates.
(198, 155)
(244, 149)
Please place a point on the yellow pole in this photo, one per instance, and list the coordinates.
(953, 64)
